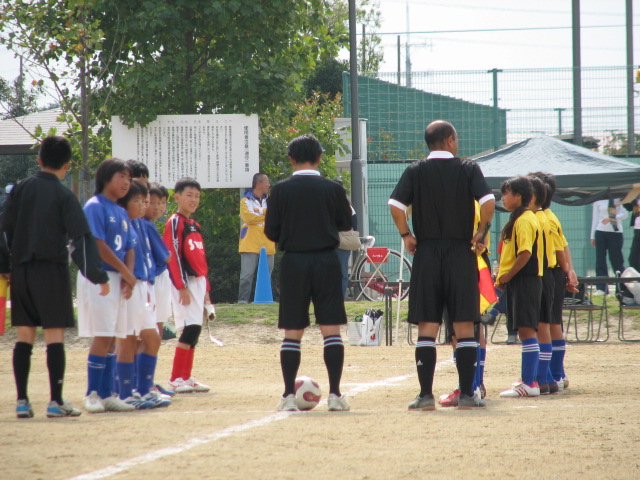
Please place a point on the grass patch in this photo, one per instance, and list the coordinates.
(267, 313)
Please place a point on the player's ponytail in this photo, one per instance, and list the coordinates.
(518, 186)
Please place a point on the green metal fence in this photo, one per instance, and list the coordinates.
(489, 108)
(576, 221)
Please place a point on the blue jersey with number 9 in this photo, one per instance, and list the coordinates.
(109, 222)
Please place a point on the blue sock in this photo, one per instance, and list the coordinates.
(95, 372)
(543, 364)
(482, 355)
(475, 375)
(108, 382)
(146, 368)
(125, 379)
(559, 348)
(530, 358)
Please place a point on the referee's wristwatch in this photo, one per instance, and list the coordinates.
(405, 234)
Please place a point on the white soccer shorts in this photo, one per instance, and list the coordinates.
(162, 293)
(101, 316)
(189, 314)
(139, 313)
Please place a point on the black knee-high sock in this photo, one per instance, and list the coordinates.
(466, 357)
(56, 363)
(334, 360)
(426, 364)
(21, 367)
(290, 362)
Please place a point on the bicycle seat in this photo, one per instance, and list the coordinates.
(368, 241)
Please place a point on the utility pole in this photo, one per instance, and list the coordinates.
(631, 140)
(357, 187)
(577, 74)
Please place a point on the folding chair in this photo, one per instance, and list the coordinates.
(624, 306)
(575, 305)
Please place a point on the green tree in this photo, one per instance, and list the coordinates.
(616, 143)
(61, 41)
(204, 56)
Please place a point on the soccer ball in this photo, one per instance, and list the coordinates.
(308, 393)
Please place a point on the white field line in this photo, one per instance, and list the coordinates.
(213, 436)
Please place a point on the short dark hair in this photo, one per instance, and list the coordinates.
(305, 149)
(186, 182)
(256, 179)
(55, 151)
(138, 169)
(158, 190)
(136, 188)
(437, 133)
(106, 170)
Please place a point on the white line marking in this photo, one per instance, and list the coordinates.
(213, 436)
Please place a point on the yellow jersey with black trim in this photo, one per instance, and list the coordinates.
(476, 224)
(559, 240)
(549, 257)
(526, 236)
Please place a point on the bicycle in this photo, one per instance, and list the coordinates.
(374, 266)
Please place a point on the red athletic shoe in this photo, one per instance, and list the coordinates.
(451, 399)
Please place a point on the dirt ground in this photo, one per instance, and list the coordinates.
(590, 431)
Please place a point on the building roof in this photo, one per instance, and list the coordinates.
(16, 134)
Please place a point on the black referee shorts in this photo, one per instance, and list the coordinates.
(524, 295)
(41, 295)
(444, 274)
(559, 285)
(307, 277)
(546, 305)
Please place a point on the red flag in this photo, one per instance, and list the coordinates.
(485, 285)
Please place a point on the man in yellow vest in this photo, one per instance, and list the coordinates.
(253, 208)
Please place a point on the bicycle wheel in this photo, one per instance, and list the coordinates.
(369, 277)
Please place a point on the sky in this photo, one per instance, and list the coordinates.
(458, 47)
(602, 35)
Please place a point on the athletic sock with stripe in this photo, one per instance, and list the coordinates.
(290, 355)
(543, 363)
(426, 357)
(530, 359)
(466, 358)
(559, 348)
(334, 361)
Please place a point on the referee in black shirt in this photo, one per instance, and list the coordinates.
(442, 189)
(305, 213)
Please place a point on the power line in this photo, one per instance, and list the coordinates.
(485, 30)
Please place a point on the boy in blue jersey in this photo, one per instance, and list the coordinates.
(40, 217)
(141, 322)
(160, 255)
(104, 317)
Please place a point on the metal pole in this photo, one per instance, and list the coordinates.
(577, 74)
(631, 142)
(399, 69)
(559, 110)
(363, 44)
(357, 187)
(496, 112)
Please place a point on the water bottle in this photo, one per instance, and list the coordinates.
(494, 268)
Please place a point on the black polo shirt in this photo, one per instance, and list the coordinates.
(40, 216)
(441, 192)
(305, 213)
